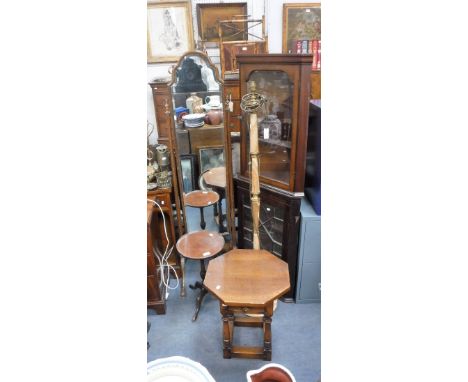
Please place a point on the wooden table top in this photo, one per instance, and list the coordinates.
(199, 245)
(216, 177)
(247, 277)
(199, 198)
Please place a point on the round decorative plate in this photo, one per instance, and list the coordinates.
(177, 369)
(200, 124)
(194, 117)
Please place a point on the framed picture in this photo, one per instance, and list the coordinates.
(211, 157)
(209, 15)
(169, 32)
(301, 22)
(229, 50)
(187, 163)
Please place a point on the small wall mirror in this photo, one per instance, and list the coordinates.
(202, 150)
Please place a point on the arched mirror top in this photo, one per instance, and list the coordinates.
(195, 72)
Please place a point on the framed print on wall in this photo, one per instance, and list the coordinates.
(209, 15)
(301, 22)
(169, 30)
(211, 157)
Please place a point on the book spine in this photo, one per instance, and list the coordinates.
(314, 54)
(304, 46)
(319, 53)
(310, 47)
(298, 47)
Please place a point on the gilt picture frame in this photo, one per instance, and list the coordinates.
(301, 22)
(209, 15)
(169, 30)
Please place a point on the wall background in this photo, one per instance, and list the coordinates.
(273, 11)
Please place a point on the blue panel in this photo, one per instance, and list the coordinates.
(308, 276)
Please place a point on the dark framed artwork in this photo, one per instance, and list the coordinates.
(209, 15)
(301, 24)
(188, 166)
(211, 157)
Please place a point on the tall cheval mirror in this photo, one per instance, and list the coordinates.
(202, 150)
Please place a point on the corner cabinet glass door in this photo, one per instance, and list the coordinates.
(274, 125)
(282, 124)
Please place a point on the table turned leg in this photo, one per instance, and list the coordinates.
(182, 266)
(228, 320)
(203, 291)
(267, 332)
(220, 216)
(202, 269)
(202, 219)
(200, 297)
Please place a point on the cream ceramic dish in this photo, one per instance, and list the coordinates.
(177, 369)
(194, 119)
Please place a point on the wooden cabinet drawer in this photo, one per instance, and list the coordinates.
(164, 200)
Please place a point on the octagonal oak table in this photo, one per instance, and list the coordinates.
(246, 282)
(199, 245)
(201, 199)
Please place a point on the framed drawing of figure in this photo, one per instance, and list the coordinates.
(301, 26)
(169, 32)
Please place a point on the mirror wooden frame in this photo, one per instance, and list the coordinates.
(227, 149)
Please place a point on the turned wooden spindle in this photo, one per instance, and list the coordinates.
(251, 102)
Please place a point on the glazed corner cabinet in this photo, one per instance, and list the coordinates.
(285, 80)
(279, 225)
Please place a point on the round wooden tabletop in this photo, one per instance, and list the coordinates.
(199, 245)
(216, 177)
(199, 198)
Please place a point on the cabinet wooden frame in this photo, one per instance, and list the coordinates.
(166, 135)
(297, 67)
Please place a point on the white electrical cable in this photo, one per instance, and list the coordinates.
(164, 258)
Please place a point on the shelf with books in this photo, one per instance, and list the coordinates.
(313, 47)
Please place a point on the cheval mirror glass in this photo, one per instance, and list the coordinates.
(202, 152)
